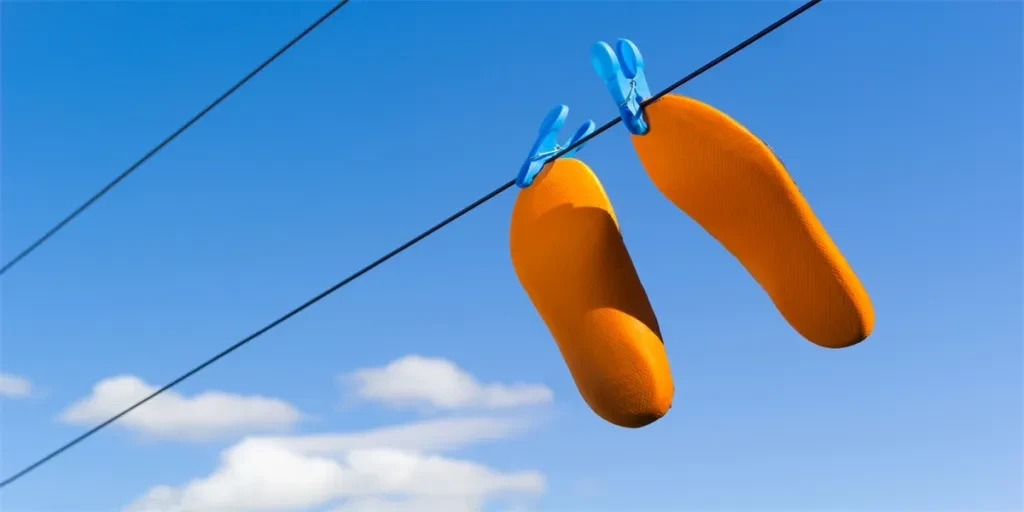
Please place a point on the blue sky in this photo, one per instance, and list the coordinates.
(901, 121)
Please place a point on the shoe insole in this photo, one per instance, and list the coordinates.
(733, 185)
(570, 258)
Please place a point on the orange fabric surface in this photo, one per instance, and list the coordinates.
(570, 258)
(732, 184)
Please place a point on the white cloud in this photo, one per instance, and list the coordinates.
(417, 380)
(13, 386)
(172, 415)
(439, 435)
(386, 470)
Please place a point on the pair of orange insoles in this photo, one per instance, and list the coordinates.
(570, 257)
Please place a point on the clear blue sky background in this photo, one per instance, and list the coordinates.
(901, 121)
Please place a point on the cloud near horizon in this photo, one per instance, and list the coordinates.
(14, 386)
(394, 469)
(415, 380)
(397, 468)
(174, 416)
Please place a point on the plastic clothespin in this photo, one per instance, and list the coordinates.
(623, 73)
(547, 146)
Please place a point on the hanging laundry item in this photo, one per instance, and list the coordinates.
(570, 258)
(733, 185)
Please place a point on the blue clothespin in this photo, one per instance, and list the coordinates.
(623, 73)
(547, 144)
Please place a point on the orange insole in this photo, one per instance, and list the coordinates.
(569, 256)
(734, 186)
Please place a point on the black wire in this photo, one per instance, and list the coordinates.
(394, 252)
(268, 327)
(28, 250)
